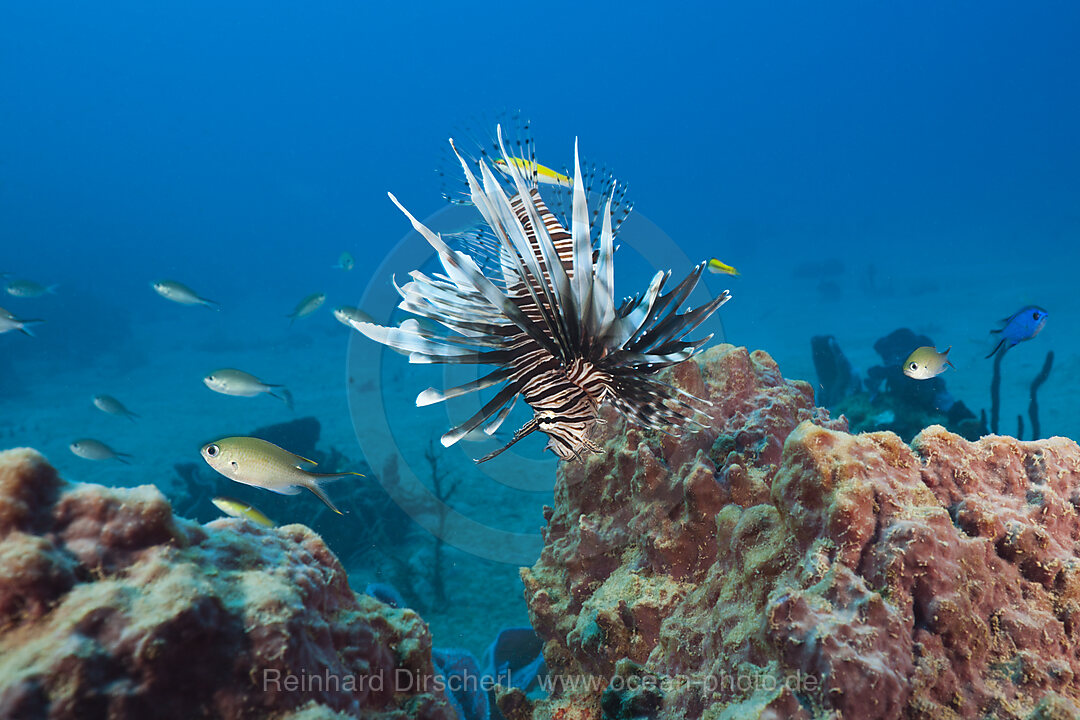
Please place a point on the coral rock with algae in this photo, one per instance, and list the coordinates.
(776, 566)
(111, 607)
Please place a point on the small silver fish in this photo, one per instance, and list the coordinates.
(347, 315)
(262, 464)
(229, 381)
(28, 289)
(10, 322)
(307, 306)
(96, 450)
(181, 293)
(345, 262)
(926, 362)
(109, 404)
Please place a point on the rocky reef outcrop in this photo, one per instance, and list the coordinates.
(111, 607)
(775, 566)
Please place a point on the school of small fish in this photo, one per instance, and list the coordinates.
(249, 461)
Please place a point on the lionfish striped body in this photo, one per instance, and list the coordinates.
(536, 300)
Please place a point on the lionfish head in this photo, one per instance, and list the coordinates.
(535, 301)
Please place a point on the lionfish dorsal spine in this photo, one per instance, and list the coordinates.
(495, 207)
(562, 305)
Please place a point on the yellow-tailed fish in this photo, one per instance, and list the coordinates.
(238, 509)
(345, 262)
(927, 362)
(307, 306)
(230, 381)
(262, 464)
(181, 293)
(721, 268)
(348, 315)
(544, 175)
(109, 404)
(96, 450)
(10, 322)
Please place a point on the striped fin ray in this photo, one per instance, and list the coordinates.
(476, 278)
(506, 226)
(491, 407)
(670, 300)
(437, 302)
(410, 342)
(492, 427)
(677, 326)
(565, 307)
(432, 396)
(542, 293)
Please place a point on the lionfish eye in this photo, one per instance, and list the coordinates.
(212, 450)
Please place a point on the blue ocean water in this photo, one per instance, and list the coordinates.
(865, 167)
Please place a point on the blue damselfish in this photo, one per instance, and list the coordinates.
(1022, 325)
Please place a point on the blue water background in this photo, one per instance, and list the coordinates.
(240, 147)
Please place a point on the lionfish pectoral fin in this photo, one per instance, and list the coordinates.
(526, 429)
(492, 406)
(491, 428)
(587, 447)
(432, 396)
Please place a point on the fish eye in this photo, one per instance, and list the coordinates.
(913, 366)
(1035, 315)
(212, 450)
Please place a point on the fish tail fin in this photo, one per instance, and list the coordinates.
(285, 396)
(122, 457)
(51, 290)
(211, 304)
(131, 416)
(25, 330)
(329, 477)
(317, 479)
(996, 347)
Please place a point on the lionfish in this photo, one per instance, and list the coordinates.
(536, 300)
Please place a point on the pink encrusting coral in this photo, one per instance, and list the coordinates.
(112, 607)
(776, 566)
